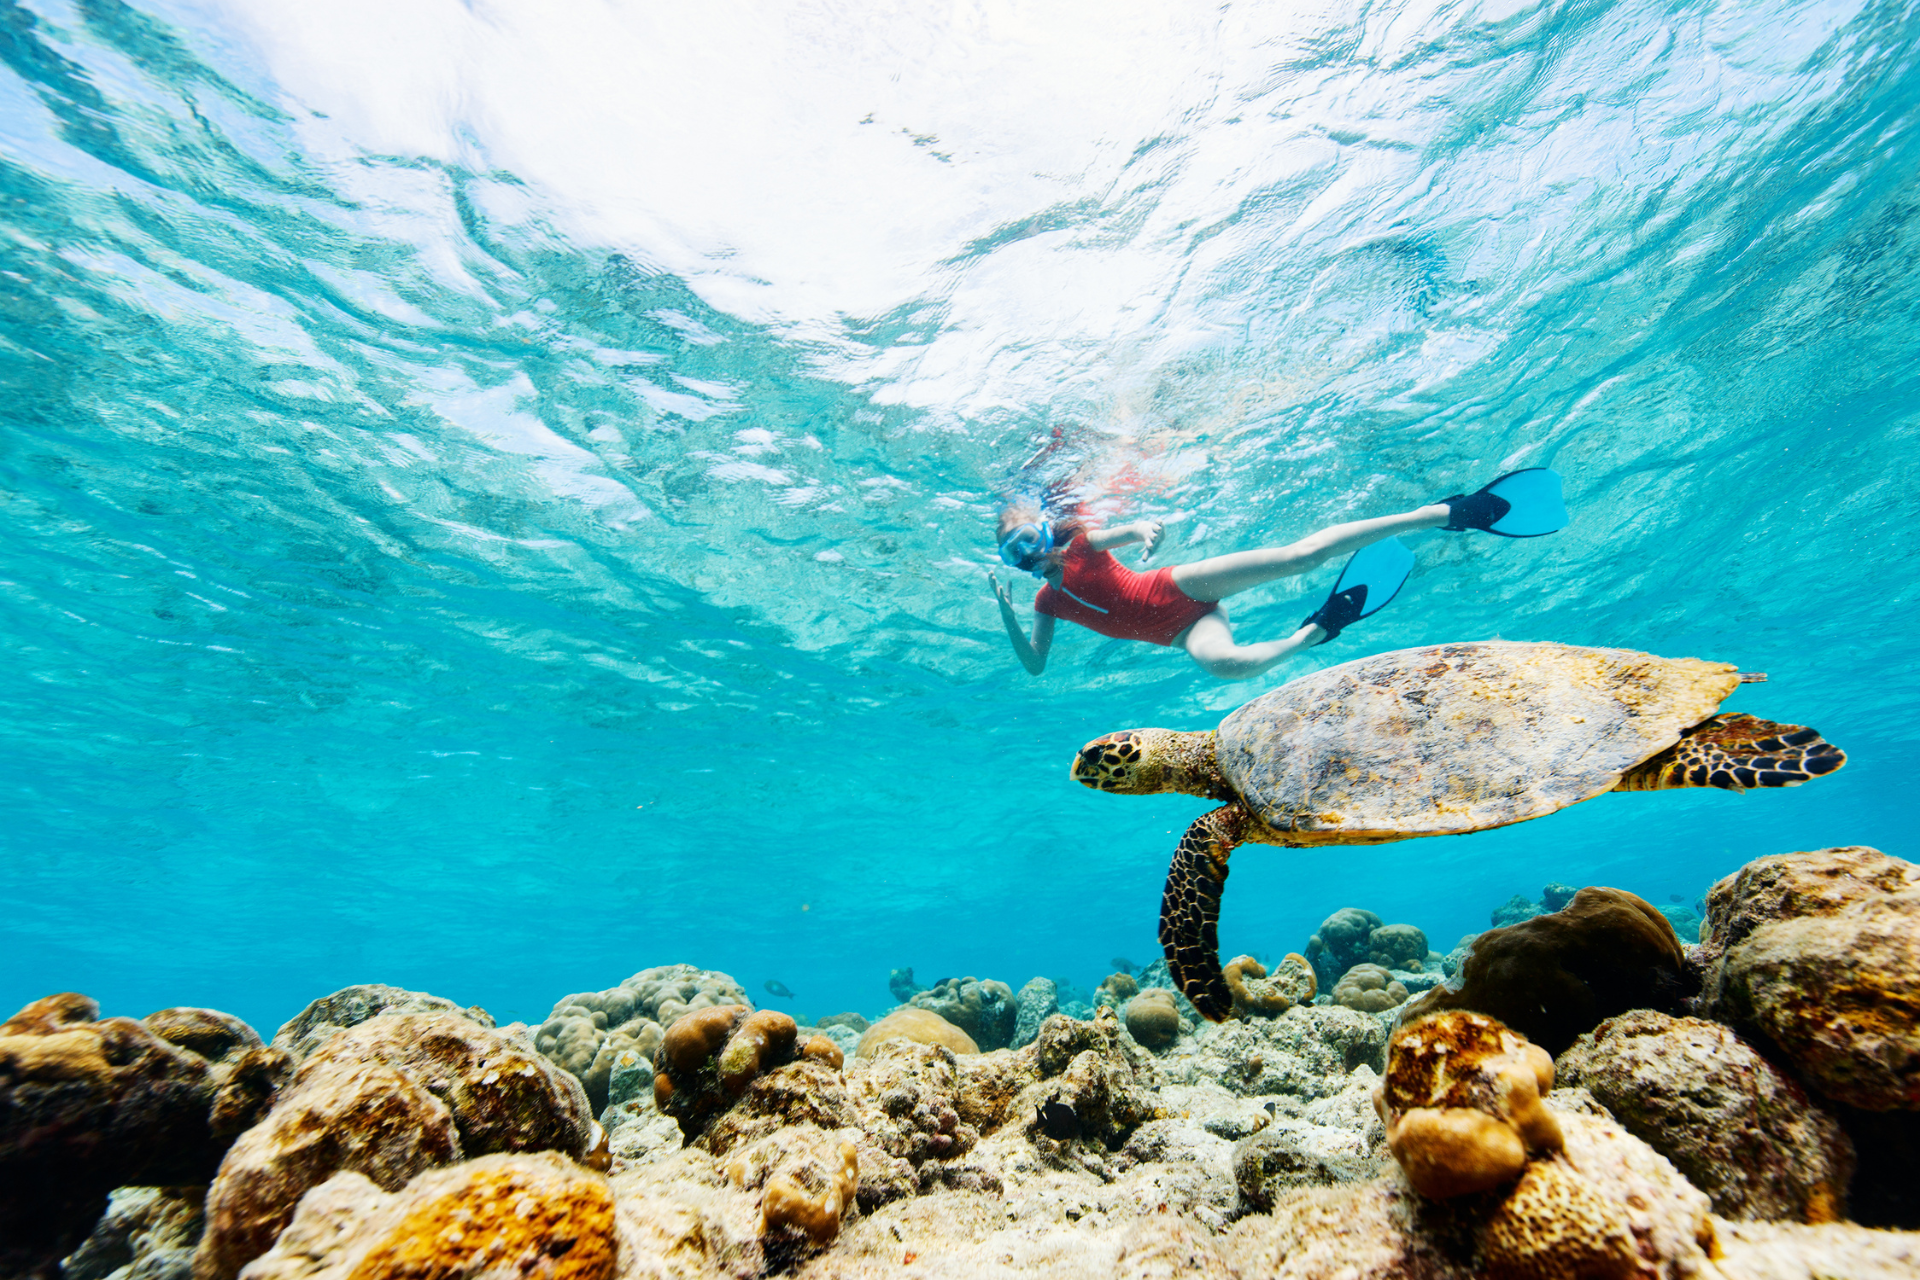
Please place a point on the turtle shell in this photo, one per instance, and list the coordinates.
(1457, 737)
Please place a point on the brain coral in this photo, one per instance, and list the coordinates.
(1555, 976)
(1397, 946)
(1462, 1103)
(1368, 988)
(920, 1025)
(1341, 942)
(1153, 1019)
(587, 1032)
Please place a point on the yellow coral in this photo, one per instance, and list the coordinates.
(810, 1197)
(763, 1040)
(922, 1026)
(502, 1220)
(1556, 1225)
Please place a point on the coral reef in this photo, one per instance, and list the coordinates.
(1461, 1103)
(1153, 1019)
(985, 1010)
(90, 1104)
(1514, 910)
(1556, 976)
(1307, 1053)
(1369, 988)
(1737, 1127)
(588, 1031)
(1037, 1001)
(1257, 995)
(919, 1025)
(314, 1025)
(390, 1098)
(1556, 895)
(1340, 943)
(500, 1215)
(1115, 990)
(1819, 953)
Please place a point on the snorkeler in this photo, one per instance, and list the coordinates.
(1181, 605)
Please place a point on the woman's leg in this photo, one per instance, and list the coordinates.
(1218, 577)
(1209, 642)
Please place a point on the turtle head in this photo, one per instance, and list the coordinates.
(1145, 762)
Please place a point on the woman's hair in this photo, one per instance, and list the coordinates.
(1066, 525)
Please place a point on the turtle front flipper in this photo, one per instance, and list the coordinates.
(1736, 751)
(1190, 909)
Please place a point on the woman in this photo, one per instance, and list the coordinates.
(1181, 605)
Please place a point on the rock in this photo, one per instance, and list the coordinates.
(389, 1098)
(984, 1010)
(1555, 976)
(90, 1104)
(1462, 1103)
(900, 982)
(1037, 1001)
(1340, 943)
(587, 1031)
(314, 1025)
(1819, 953)
(1297, 1153)
(1307, 1052)
(1516, 909)
(1397, 946)
(1090, 1069)
(1738, 1128)
(728, 1075)
(1153, 1019)
(1451, 962)
(500, 1215)
(1556, 895)
(1605, 1207)
(907, 1097)
(1788, 1251)
(147, 1233)
(1370, 989)
(852, 1021)
(631, 1076)
(919, 1025)
(1256, 995)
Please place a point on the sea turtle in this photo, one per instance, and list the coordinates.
(1434, 741)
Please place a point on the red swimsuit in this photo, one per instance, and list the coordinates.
(1103, 595)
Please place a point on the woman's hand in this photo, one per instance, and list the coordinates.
(1000, 592)
(1150, 532)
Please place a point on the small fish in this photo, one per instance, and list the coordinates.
(1123, 965)
(1059, 1120)
(775, 987)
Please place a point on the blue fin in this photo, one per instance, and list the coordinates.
(1520, 504)
(1370, 581)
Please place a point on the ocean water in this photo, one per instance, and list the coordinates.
(496, 498)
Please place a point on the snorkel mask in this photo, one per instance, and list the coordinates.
(1026, 547)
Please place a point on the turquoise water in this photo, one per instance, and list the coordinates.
(492, 503)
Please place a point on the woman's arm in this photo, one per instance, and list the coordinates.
(1032, 654)
(1147, 531)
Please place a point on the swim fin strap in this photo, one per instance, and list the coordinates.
(1370, 581)
(1521, 504)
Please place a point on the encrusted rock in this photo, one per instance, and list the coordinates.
(90, 1104)
(908, 1097)
(807, 1179)
(1307, 1052)
(985, 1010)
(1737, 1127)
(1258, 995)
(390, 1098)
(500, 1215)
(1037, 1001)
(1555, 976)
(1820, 954)
(320, 1021)
(147, 1233)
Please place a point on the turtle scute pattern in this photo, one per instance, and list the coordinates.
(1457, 737)
(1736, 751)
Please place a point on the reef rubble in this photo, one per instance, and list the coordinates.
(392, 1133)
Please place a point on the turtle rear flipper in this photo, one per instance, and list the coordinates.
(1190, 909)
(1736, 751)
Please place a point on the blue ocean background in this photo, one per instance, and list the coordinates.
(495, 499)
